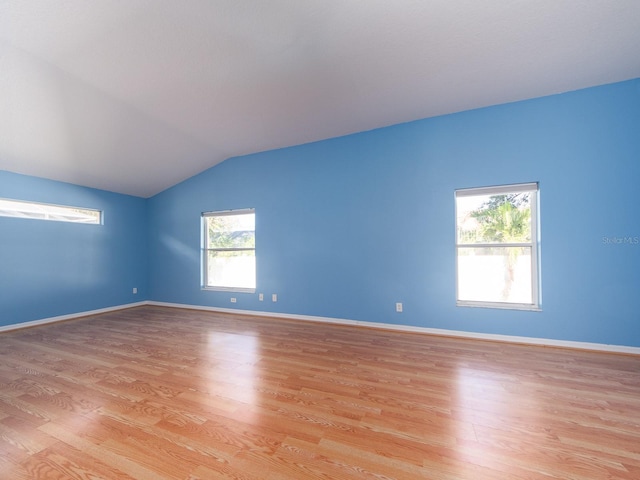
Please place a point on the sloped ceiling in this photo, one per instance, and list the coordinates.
(133, 96)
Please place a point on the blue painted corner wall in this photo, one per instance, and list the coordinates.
(49, 269)
(346, 227)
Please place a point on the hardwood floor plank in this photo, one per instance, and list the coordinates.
(77, 456)
(164, 393)
(62, 461)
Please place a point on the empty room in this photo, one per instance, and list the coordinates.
(319, 239)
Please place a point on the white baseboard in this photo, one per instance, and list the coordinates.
(71, 316)
(545, 342)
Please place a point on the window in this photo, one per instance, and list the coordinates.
(497, 247)
(229, 250)
(44, 211)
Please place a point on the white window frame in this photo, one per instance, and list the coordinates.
(206, 250)
(47, 211)
(533, 188)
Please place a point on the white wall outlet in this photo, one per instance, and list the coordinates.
(135, 290)
(274, 297)
(399, 307)
(261, 296)
(233, 300)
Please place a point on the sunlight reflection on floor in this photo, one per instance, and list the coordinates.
(236, 379)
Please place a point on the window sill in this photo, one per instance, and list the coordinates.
(502, 306)
(229, 289)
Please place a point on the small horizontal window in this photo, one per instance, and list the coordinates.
(45, 211)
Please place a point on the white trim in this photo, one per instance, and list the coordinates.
(71, 316)
(497, 190)
(229, 289)
(501, 305)
(222, 213)
(544, 342)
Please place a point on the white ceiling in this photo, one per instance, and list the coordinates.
(134, 96)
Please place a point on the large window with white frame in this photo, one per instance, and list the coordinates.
(497, 247)
(229, 250)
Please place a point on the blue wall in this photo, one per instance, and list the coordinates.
(56, 268)
(347, 227)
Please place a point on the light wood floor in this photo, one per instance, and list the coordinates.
(158, 393)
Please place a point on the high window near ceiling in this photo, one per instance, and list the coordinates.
(46, 211)
(229, 250)
(497, 247)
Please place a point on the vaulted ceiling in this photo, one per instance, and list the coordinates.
(133, 96)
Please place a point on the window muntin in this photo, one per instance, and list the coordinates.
(45, 211)
(497, 247)
(229, 250)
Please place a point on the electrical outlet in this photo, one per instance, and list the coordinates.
(261, 296)
(399, 307)
(233, 300)
(274, 297)
(135, 290)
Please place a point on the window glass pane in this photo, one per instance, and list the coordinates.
(231, 231)
(44, 211)
(494, 218)
(235, 269)
(495, 274)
